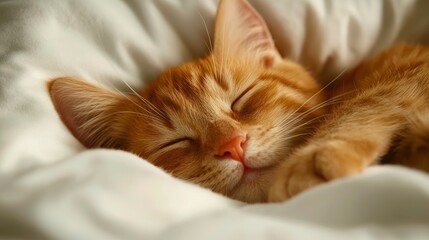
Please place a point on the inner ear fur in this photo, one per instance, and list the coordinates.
(91, 113)
(241, 31)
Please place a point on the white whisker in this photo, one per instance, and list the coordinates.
(149, 104)
(207, 32)
(321, 90)
(331, 101)
(150, 114)
(295, 136)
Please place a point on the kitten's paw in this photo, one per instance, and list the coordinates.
(313, 165)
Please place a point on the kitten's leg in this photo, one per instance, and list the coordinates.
(354, 136)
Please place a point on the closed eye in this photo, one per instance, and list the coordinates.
(241, 95)
(175, 141)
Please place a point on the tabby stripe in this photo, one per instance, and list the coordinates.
(280, 79)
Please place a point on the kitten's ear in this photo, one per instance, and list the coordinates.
(88, 111)
(239, 29)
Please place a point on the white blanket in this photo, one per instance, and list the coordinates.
(52, 188)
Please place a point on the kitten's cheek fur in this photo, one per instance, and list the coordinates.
(313, 165)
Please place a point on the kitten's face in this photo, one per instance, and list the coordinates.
(224, 121)
(225, 128)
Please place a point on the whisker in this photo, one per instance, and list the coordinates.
(321, 90)
(301, 126)
(328, 102)
(144, 100)
(150, 116)
(138, 105)
(299, 117)
(295, 127)
(223, 51)
(295, 120)
(295, 136)
(207, 32)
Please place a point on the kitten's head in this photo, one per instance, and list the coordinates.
(224, 121)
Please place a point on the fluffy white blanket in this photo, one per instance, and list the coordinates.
(52, 188)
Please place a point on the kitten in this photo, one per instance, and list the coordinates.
(230, 121)
(224, 121)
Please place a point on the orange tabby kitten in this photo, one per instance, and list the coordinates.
(230, 121)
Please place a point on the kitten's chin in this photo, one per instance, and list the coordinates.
(253, 186)
(251, 175)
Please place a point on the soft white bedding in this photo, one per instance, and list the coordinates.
(52, 188)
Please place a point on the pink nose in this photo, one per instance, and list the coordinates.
(233, 149)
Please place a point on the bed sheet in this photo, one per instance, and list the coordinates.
(53, 188)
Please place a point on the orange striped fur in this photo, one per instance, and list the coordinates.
(185, 119)
(384, 117)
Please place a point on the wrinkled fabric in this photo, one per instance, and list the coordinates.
(53, 188)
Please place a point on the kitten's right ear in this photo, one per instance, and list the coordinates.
(239, 29)
(88, 111)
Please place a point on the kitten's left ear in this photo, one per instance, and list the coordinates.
(89, 112)
(241, 30)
